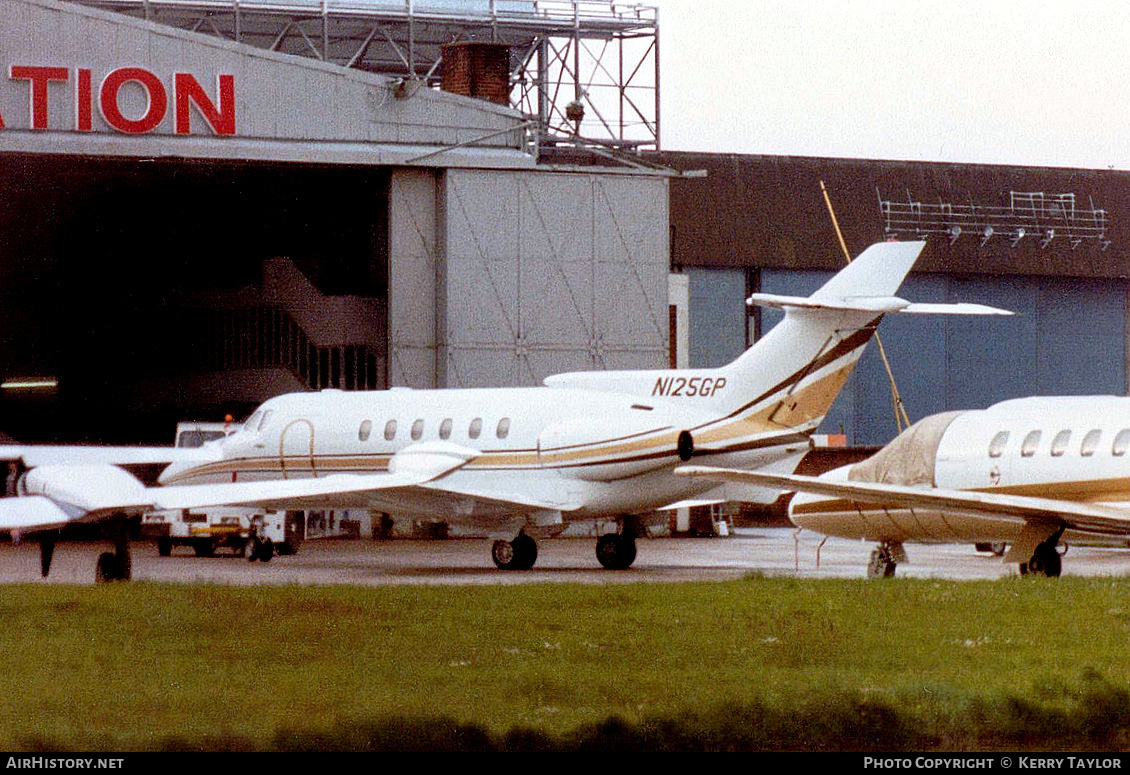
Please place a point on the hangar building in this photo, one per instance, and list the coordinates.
(208, 202)
(198, 218)
(1050, 244)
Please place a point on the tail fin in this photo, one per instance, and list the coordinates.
(789, 379)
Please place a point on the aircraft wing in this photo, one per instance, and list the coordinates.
(84, 493)
(1088, 517)
(34, 455)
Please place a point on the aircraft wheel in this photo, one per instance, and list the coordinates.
(1045, 560)
(164, 546)
(519, 554)
(882, 565)
(111, 567)
(616, 551)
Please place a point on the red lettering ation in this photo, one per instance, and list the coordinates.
(39, 78)
(188, 91)
(155, 111)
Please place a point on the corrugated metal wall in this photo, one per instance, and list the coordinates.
(718, 316)
(1068, 339)
(528, 273)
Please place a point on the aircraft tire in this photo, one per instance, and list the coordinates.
(519, 554)
(164, 546)
(881, 565)
(616, 551)
(1047, 561)
(111, 567)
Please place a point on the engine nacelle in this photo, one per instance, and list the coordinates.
(605, 450)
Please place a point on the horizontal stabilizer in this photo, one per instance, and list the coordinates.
(879, 305)
(953, 309)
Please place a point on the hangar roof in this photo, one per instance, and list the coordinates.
(85, 81)
(769, 211)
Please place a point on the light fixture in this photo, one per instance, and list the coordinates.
(36, 383)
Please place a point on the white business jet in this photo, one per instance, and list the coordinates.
(518, 462)
(1035, 473)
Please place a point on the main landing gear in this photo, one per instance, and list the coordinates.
(885, 559)
(1046, 559)
(519, 554)
(118, 564)
(614, 551)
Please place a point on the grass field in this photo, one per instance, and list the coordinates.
(757, 663)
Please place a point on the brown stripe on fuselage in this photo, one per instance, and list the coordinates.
(854, 341)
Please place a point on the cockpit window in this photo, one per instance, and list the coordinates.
(252, 423)
(266, 419)
(198, 438)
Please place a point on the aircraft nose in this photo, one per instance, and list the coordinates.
(179, 471)
(171, 472)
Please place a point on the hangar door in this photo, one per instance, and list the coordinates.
(156, 291)
(501, 278)
(1068, 338)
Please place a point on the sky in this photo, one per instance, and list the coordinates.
(985, 81)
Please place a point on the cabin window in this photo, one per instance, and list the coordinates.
(1031, 441)
(1059, 443)
(503, 429)
(996, 446)
(365, 430)
(390, 430)
(1121, 442)
(417, 429)
(1090, 442)
(445, 429)
(476, 428)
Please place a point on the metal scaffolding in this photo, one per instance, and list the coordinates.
(586, 70)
